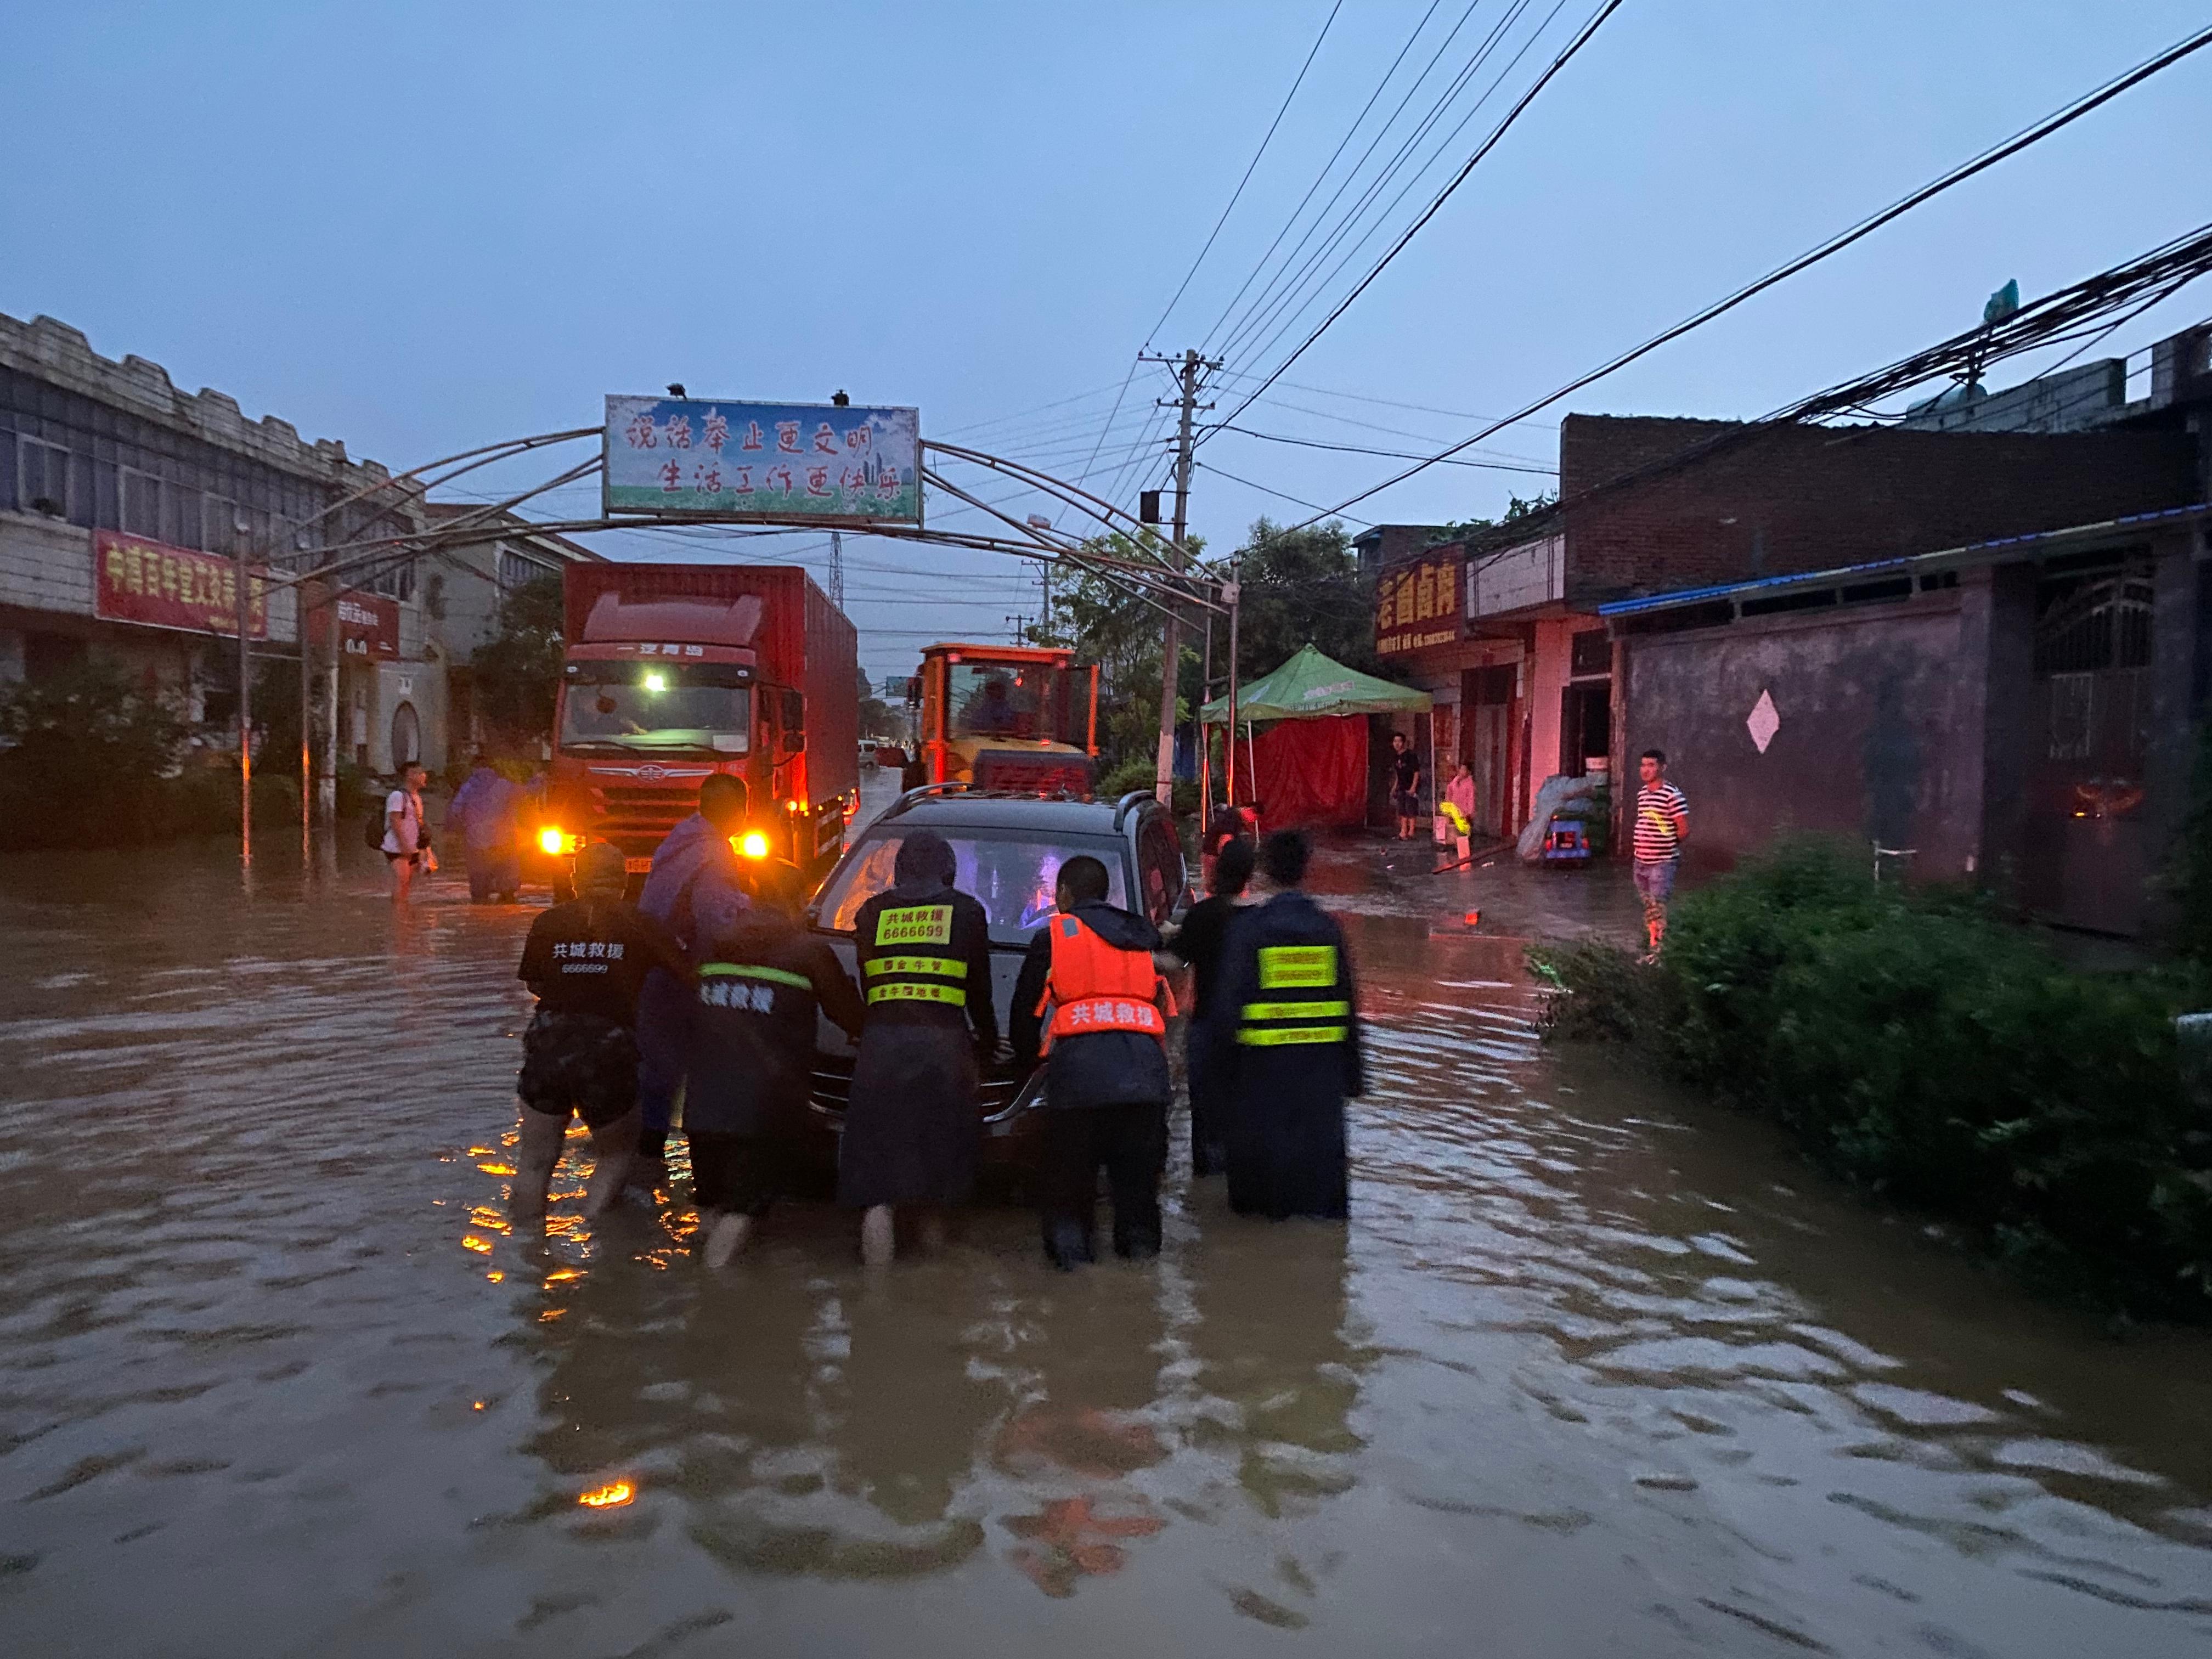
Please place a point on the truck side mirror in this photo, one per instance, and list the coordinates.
(912, 689)
(795, 722)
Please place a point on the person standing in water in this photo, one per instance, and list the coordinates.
(1089, 987)
(694, 860)
(1284, 1030)
(486, 809)
(406, 842)
(912, 1131)
(585, 961)
(1199, 941)
(751, 1053)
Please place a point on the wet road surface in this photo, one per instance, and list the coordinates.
(1594, 1371)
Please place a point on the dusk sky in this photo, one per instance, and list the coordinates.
(420, 227)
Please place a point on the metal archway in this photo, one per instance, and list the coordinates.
(1163, 576)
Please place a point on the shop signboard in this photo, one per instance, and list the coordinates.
(157, 585)
(368, 625)
(1417, 602)
(827, 464)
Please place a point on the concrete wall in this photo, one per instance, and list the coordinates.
(1881, 739)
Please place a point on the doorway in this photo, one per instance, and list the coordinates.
(1585, 725)
(1486, 703)
(406, 736)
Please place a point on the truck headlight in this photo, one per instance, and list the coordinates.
(554, 843)
(752, 844)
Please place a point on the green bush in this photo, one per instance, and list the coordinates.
(87, 757)
(1918, 1046)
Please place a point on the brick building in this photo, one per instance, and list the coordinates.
(1527, 680)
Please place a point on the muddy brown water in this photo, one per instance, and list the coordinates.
(1592, 1370)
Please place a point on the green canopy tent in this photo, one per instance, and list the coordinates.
(1317, 772)
(1312, 684)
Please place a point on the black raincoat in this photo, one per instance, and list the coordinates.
(1283, 1030)
(913, 1133)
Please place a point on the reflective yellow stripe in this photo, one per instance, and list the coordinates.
(951, 994)
(916, 924)
(1252, 1038)
(943, 967)
(748, 970)
(1296, 1010)
(1297, 967)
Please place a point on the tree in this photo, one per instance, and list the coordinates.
(86, 756)
(1303, 588)
(517, 673)
(1107, 622)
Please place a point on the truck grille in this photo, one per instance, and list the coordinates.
(637, 819)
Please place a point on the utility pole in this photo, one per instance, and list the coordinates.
(240, 531)
(836, 570)
(1189, 369)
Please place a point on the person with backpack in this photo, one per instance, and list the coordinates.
(749, 1057)
(1088, 989)
(404, 838)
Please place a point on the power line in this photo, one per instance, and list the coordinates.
(1321, 178)
(1496, 133)
(2059, 118)
(1289, 285)
(1400, 455)
(1279, 495)
(1237, 194)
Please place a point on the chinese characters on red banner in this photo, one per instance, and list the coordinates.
(136, 580)
(1417, 604)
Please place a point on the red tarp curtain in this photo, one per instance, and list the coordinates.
(1311, 771)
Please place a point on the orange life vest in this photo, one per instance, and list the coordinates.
(1095, 987)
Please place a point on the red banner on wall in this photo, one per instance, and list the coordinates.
(1416, 603)
(136, 580)
(369, 625)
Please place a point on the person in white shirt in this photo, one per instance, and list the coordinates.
(406, 849)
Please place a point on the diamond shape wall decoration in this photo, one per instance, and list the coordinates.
(1764, 721)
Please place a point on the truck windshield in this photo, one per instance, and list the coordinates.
(655, 705)
(1012, 878)
(1028, 701)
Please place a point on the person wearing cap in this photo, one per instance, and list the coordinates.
(1283, 1044)
(762, 977)
(585, 961)
(913, 1133)
(1090, 1002)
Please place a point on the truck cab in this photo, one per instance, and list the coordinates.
(1019, 718)
(671, 674)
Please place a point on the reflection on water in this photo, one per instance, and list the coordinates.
(1594, 1371)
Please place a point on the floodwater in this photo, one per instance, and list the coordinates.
(1593, 1371)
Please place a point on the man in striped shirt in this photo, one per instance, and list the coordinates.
(1663, 823)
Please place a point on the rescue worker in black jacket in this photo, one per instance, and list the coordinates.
(749, 1059)
(1089, 987)
(1284, 1032)
(913, 1132)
